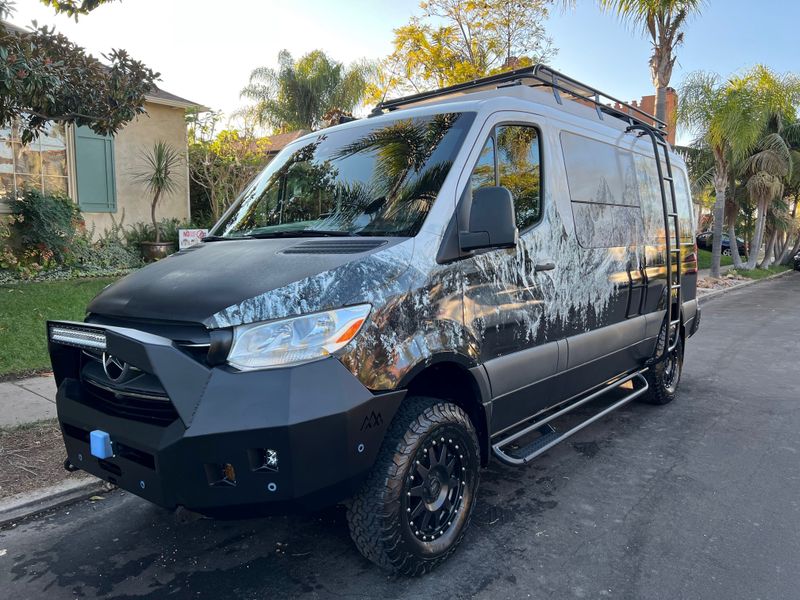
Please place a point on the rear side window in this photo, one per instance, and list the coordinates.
(652, 207)
(603, 190)
(685, 208)
(511, 158)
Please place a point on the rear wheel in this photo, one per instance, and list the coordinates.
(416, 504)
(664, 377)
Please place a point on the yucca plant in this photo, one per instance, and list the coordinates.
(159, 176)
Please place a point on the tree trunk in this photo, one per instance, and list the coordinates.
(720, 187)
(758, 235)
(733, 211)
(153, 216)
(737, 259)
(786, 254)
(793, 252)
(770, 250)
(661, 103)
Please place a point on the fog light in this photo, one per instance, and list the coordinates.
(220, 475)
(263, 459)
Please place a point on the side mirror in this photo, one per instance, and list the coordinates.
(491, 220)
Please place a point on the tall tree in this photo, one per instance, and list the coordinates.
(44, 77)
(771, 165)
(662, 21)
(221, 163)
(726, 117)
(298, 94)
(458, 40)
(160, 176)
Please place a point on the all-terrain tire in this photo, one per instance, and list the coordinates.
(664, 377)
(426, 437)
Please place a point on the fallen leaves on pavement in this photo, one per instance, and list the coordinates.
(32, 457)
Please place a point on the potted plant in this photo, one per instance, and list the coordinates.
(160, 177)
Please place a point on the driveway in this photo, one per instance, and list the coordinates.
(698, 499)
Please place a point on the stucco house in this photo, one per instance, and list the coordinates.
(97, 172)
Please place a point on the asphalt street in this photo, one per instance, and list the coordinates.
(697, 499)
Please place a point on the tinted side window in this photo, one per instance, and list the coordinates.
(483, 174)
(650, 197)
(603, 190)
(510, 158)
(519, 170)
(685, 208)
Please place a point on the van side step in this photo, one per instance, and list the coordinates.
(549, 437)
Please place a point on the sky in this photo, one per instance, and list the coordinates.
(205, 49)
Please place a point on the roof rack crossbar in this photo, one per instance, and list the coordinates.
(542, 76)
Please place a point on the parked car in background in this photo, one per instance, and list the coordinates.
(705, 239)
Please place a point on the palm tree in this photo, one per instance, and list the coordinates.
(662, 21)
(159, 176)
(298, 94)
(771, 164)
(791, 248)
(725, 117)
(768, 168)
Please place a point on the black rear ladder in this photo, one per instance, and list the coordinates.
(672, 238)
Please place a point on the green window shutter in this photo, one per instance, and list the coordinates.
(94, 163)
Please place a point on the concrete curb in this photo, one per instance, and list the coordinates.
(717, 293)
(27, 505)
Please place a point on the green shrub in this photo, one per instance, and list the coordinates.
(109, 250)
(138, 233)
(46, 239)
(144, 232)
(43, 228)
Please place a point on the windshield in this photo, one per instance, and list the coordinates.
(380, 178)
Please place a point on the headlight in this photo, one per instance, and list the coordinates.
(296, 340)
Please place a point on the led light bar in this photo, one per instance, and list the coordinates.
(81, 338)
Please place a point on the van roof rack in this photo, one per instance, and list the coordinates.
(540, 76)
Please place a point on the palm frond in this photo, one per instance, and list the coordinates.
(160, 171)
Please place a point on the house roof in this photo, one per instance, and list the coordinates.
(159, 96)
(279, 141)
(156, 96)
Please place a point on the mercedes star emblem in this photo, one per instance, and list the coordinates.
(115, 369)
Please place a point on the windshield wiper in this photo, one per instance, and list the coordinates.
(217, 238)
(301, 233)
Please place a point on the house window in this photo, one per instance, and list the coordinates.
(40, 165)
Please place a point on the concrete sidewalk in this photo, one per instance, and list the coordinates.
(27, 400)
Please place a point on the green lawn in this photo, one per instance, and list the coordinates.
(704, 259)
(762, 273)
(24, 308)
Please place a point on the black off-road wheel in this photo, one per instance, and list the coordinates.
(414, 508)
(664, 377)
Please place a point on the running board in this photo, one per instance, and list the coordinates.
(549, 437)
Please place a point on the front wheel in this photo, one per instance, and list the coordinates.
(664, 377)
(415, 506)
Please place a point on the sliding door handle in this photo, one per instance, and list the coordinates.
(544, 266)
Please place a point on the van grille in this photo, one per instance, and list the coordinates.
(143, 398)
(146, 408)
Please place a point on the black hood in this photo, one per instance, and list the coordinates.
(195, 284)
